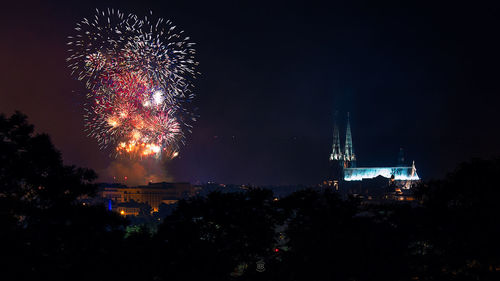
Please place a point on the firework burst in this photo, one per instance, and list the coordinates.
(139, 74)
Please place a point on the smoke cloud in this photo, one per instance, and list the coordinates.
(137, 172)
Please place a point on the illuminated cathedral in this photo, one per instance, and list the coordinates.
(344, 168)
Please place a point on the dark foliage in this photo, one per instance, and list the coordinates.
(46, 234)
(211, 237)
(332, 239)
(460, 223)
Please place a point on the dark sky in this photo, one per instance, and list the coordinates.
(421, 76)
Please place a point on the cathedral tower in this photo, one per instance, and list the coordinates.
(336, 152)
(336, 157)
(349, 156)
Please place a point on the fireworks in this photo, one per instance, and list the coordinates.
(139, 76)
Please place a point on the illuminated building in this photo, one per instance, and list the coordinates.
(344, 169)
(399, 173)
(153, 194)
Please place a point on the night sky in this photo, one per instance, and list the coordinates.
(420, 76)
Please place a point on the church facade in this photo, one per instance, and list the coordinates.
(344, 167)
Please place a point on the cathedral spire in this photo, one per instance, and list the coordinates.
(336, 151)
(349, 156)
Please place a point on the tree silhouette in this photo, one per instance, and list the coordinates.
(46, 233)
(31, 170)
(460, 223)
(209, 238)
